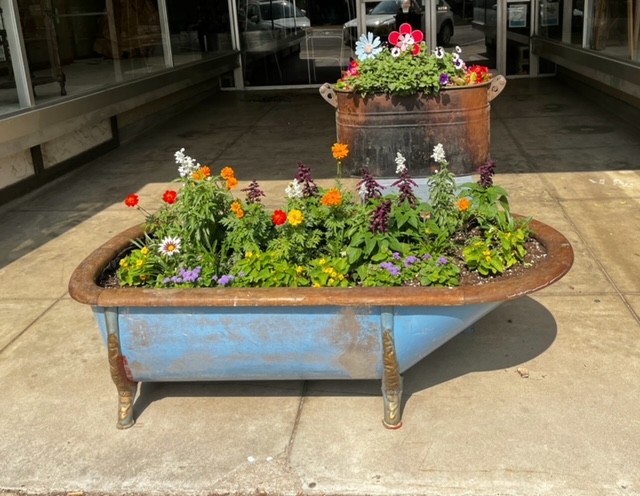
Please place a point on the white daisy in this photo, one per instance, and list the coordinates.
(169, 246)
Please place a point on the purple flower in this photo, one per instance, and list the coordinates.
(167, 280)
(426, 257)
(380, 217)
(444, 79)
(409, 261)
(253, 192)
(442, 261)
(309, 187)
(392, 269)
(226, 279)
(405, 184)
(396, 255)
(486, 172)
(369, 187)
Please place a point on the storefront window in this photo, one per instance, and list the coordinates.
(198, 28)
(614, 28)
(8, 92)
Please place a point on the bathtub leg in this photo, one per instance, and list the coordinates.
(391, 383)
(125, 386)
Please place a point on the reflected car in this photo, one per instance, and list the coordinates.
(381, 20)
(274, 14)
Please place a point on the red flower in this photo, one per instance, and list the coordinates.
(170, 197)
(407, 38)
(132, 201)
(279, 217)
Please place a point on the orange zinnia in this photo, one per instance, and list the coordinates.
(332, 198)
(232, 182)
(202, 173)
(464, 205)
(227, 173)
(340, 151)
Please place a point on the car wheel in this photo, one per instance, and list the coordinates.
(445, 34)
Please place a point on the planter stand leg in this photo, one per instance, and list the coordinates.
(391, 378)
(126, 387)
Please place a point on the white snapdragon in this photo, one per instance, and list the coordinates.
(187, 165)
(400, 163)
(438, 154)
(294, 190)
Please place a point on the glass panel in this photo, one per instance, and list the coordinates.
(8, 93)
(518, 31)
(482, 41)
(550, 19)
(577, 22)
(614, 28)
(198, 28)
(294, 41)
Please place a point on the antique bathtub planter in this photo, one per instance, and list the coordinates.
(215, 334)
(378, 126)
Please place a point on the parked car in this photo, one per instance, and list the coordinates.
(381, 20)
(274, 14)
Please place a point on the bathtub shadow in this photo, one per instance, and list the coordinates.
(512, 334)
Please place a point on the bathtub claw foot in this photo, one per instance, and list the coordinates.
(125, 407)
(392, 414)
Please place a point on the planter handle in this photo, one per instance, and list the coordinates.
(326, 91)
(497, 85)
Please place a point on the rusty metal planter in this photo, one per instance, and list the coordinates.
(211, 334)
(378, 126)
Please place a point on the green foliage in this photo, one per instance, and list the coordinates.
(205, 236)
(405, 74)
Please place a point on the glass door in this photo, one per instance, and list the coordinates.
(515, 27)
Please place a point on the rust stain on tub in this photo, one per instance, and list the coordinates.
(361, 354)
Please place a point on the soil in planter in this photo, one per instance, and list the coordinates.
(536, 252)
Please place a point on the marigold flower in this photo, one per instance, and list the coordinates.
(170, 197)
(332, 198)
(464, 204)
(202, 173)
(340, 151)
(232, 182)
(295, 217)
(227, 173)
(132, 201)
(279, 217)
(236, 208)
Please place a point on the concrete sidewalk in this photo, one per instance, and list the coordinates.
(473, 424)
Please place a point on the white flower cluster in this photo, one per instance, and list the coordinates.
(187, 165)
(294, 190)
(438, 154)
(400, 163)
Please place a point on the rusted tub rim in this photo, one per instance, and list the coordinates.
(83, 287)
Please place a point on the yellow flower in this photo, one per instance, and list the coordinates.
(332, 198)
(139, 263)
(299, 269)
(144, 277)
(145, 251)
(340, 151)
(249, 254)
(316, 285)
(331, 281)
(322, 261)
(487, 255)
(124, 263)
(341, 277)
(295, 217)
(334, 273)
